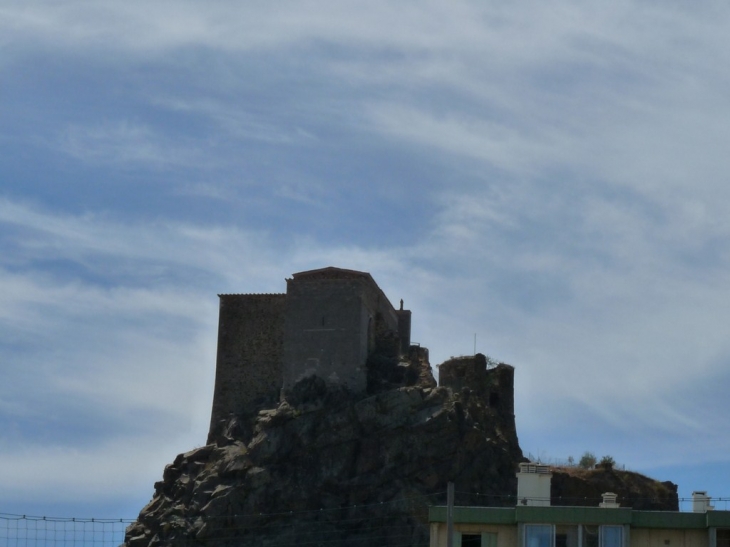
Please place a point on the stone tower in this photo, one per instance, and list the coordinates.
(327, 324)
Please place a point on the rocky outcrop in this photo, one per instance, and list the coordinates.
(576, 486)
(328, 468)
(336, 470)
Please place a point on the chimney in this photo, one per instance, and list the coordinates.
(533, 484)
(701, 502)
(609, 501)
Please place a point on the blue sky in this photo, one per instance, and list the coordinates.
(549, 177)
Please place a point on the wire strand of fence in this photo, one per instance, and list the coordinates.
(381, 522)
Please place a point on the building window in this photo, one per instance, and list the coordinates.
(547, 535)
(539, 535)
(566, 536)
(612, 536)
(485, 539)
(590, 536)
(723, 537)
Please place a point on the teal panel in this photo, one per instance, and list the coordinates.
(437, 513)
(572, 515)
(474, 515)
(583, 515)
(668, 519)
(718, 519)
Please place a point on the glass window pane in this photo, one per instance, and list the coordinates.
(590, 536)
(566, 536)
(611, 536)
(538, 535)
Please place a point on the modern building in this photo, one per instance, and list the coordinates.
(534, 523)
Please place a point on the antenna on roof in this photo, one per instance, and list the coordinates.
(475, 343)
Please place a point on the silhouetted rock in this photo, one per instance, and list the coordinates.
(330, 452)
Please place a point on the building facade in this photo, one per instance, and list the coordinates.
(535, 523)
(535, 526)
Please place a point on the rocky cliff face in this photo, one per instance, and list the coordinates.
(327, 468)
(335, 470)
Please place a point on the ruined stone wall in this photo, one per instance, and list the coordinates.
(248, 366)
(494, 385)
(460, 372)
(501, 393)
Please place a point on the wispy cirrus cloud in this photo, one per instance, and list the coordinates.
(549, 177)
(127, 144)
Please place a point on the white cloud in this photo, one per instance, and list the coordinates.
(526, 32)
(165, 248)
(624, 333)
(127, 144)
(121, 468)
(238, 121)
(580, 232)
